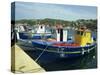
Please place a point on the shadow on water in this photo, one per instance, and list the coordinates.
(83, 62)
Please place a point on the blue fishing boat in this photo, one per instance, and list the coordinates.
(28, 35)
(36, 32)
(52, 49)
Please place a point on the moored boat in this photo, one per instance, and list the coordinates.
(51, 49)
(37, 32)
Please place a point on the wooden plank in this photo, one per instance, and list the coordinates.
(22, 63)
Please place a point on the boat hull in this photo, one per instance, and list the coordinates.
(50, 53)
(25, 36)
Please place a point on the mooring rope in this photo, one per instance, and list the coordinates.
(40, 54)
(42, 51)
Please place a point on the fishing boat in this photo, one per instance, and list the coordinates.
(37, 32)
(61, 47)
(41, 31)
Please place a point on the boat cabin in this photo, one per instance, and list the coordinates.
(83, 37)
(42, 29)
(61, 34)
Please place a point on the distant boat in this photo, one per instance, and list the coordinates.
(24, 32)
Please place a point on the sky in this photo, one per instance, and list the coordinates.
(28, 10)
